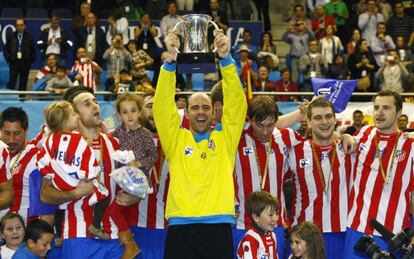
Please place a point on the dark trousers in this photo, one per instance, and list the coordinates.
(263, 9)
(21, 70)
(199, 241)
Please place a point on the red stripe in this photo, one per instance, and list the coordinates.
(280, 160)
(337, 169)
(302, 184)
(106, 161)
(246, 177)
(72, 231)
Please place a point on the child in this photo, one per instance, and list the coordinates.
(307, 241)
(38, 237)
(66, 158)
(260, 240)
(12, 232)
(123, 82)
(59, 83)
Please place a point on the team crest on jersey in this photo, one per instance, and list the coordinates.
(211, 145)
(401, 155)
(340, 146)
(362, 147)
(382, 152)
(304, 163)
(188, 151)
(285, 151)
(247, 151)
(324, 155)
(265, 256)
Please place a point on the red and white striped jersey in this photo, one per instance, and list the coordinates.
(247, 179)
(21, 166)
(150, 212)
(5, 174)
(68, 150)
(328, 208)
(87, 71)
(371, 198)
(256, 246)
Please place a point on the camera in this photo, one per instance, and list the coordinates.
(83, 60)
(368, 247)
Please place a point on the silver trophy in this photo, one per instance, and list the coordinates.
(195, 56)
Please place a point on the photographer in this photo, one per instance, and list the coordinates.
(392, 73)
(117, 58)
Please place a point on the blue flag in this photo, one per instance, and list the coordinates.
(336, 91)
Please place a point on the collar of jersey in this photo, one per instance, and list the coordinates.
(198, 137)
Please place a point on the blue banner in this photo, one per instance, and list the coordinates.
(34, 110)
(336, 91)
(235, 32)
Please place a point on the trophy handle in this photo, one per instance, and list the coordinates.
(217, 28)
(175, 30)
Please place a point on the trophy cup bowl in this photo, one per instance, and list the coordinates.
(195, 56)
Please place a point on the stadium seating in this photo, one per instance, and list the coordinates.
(62, 13)
(38, 13)
(11, 12)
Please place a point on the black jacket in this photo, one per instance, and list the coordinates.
(27, 48)
(100, 41)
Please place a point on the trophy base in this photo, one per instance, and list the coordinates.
(190, 63)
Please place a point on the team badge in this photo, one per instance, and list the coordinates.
(362, 147)
(304, 163)
(247, 151)
(211, 145)
(188, 151)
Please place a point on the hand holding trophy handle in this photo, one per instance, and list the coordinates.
(173, 44)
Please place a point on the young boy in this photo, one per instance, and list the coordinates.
(60, 82)
(37, 240)
(260, 240)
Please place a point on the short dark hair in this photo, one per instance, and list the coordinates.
(178, 96)
(216, 93)
(263, 107)
(284, 70)
(257, 202)
(357, 111)
(403, 115)
(13, 114)
(72, 92)
(60, 68)
(319, 103)
(398, 101)
(36, 228)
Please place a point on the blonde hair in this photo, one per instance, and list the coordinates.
(128, 97)
(56, 114)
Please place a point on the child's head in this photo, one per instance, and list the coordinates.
(38, 237)
(60, 72)
(60, 116)
(12, 230)
(307, 241)
(124, 75)
(263, 210)
(129, 108)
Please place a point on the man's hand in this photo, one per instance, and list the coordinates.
(222, 43)
(349, 143)
(173, 44)
(84, 188)
(126, 199)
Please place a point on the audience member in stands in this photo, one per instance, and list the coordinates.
(262, 83)
(266, 44)
(246, 65)
(361, 64)
(330, 45)
(37, 240)
(339, 11)
(180, 101)
(285, 84)
(85, 69)
(312, 64)
(357, 122)
(262, 7)
(145, 32)
(20, 54)
(312, 7)
(356, 37)
(392, 73)
(141, 61)
(298, 16)
(180, 81)
(403, 123)
(117, 25)
(60, 83)
(386, 9)
(380, 44)
(219, 17)
(400, 24)
(369, 20)
(299, 37)
(49, 70)
(54, 40)
(405, 53)
(247, 36)
(80, 21)
(168, 22)
(306, 241)
(321, 21)
(117, 58)
(92, 38)
(14, 127)
(338, 69)
(12, 232)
